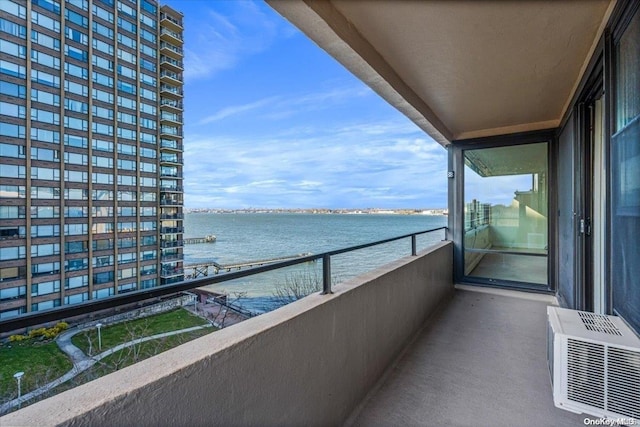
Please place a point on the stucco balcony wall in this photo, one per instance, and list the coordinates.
(309, 363)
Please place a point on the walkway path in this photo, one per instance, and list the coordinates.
(82, 362)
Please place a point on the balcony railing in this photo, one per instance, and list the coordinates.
(165, 45)
(170, 174)
(171, 244)
(177, 118)
(86, 307)
(167, 60)
(171, 202)
(165, 31)
(171, 230)
(168, 272)
(171, 89)
(171, 188)
(172, 257)
(357, 332)
(171, 159)
(164, 102)
(170, 130)
(169, 143)
(164, 16)
(172, 216)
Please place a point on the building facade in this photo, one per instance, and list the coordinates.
(90, 150)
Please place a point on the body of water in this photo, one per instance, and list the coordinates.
(246, 237)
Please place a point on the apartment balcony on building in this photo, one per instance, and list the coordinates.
(171, 158)
(170, 144)
(170, 50)
(165, 201)
(174, 65)
(171, 77)
(171, 216)
(170, 36)
(171, 104)
(168, 243)
(170, 90)
(169, 20)
(172, 118)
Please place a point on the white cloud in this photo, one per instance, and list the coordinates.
(280, 107)
(223, 40)
(236, 109)
(345, 166)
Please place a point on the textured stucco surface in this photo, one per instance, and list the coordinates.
(309, 363)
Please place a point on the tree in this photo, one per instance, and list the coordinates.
(298, 285)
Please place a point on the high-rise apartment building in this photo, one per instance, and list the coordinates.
(91, 188)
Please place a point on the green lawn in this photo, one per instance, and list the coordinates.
(127, 331)
(44, 362)
(131, 355)
(41, 363)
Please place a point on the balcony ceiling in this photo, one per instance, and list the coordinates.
(461, 69)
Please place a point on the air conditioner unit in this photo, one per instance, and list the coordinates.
(594, 361)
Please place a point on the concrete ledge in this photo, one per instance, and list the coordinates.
(308, 363)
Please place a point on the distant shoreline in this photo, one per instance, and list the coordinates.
(368, 211)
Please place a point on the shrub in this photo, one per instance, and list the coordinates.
(62, 326)
(17, 338)
(37, 332)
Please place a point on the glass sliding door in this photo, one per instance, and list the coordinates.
(625, 170)
(506, 214)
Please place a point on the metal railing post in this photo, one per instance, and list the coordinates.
(326, 274)
(413, 245)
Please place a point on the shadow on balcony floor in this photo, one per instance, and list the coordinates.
(481, 362)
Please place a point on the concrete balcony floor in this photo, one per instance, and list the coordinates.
(482, 361)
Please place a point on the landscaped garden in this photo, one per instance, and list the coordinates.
(41, 360)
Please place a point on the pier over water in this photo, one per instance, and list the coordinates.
(204, 269)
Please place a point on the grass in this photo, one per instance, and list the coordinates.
(131, 355)
(40, 362)
(122, 332)
(44, 362)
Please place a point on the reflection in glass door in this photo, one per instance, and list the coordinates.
(506, 213)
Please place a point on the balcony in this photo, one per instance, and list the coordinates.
(480, 360)
(172, 216)
(171, 77)
(171, 244)
(169, 144)
(166, 103)
(170, 90)
(171, 258)
(172, 188)
(171, 50)
(171, 272)
(170, 63)
(167, 20)
(171, 230)
(170, 174)
(170, 202)
(170, 158)
(170, 130)
(170, 36)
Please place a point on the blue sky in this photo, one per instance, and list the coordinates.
(272, 121)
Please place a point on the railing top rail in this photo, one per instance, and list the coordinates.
(86, 307)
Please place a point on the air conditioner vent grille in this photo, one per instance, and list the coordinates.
(585, 373)
(623, 395)
(599, 323)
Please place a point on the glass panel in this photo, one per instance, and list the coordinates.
(625, 171)
(628, 74)
(505, 218)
